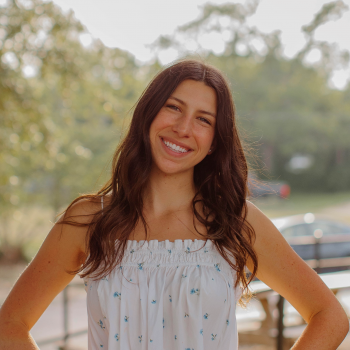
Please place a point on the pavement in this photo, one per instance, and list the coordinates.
(339, 212)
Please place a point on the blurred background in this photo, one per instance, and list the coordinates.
(71, 71)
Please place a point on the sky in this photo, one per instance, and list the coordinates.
(133, 24)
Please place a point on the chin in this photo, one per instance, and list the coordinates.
(173, 170)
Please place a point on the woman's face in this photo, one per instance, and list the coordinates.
(182, 132)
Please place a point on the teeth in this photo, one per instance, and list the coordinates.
(175, 147)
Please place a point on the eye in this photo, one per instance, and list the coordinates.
(205, 120)
(175, 108)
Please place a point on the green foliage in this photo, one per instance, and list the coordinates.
(330, 11)
(64, 107)
(285, 107)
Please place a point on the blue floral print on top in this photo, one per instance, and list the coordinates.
(185, 284)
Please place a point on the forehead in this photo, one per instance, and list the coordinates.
(196, 94)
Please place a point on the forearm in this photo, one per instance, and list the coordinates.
(16, 337)
(325, 331)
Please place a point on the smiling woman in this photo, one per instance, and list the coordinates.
(184, 128)
(152, 282)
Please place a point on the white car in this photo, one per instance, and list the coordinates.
(302, 231)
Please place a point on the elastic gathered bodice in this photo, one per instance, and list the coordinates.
(156, 253)
(165, 295)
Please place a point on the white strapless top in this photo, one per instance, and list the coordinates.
(165, 295)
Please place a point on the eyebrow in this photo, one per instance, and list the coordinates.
(184, 103)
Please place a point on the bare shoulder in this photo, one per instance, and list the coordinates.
(267, 236)
(258, 220)
(82, 211)
(80, 214)
(253, 212)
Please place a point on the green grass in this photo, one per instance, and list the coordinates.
(300, 203)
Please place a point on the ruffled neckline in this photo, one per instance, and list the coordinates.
(178, 244)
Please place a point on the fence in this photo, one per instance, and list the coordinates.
(316, 263)
(66, 333)
(319, 264)
(335, 245)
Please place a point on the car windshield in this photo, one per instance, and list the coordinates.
(297, 230)
(327, 228)
(330, 228)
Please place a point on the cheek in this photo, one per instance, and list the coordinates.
(206, 137)
(159, 123)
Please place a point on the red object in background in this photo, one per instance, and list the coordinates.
(284, 191)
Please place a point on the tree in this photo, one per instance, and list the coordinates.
(285, 106)
(63, 108)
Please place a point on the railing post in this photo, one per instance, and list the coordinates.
(317, 254)
(65, 316)
(280, 324)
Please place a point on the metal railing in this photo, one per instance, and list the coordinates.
(66, 333)
(317, 263)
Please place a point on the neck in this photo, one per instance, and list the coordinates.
(168, 193)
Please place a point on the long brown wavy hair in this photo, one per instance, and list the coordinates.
(221, 180)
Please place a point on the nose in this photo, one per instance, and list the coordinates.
(183, 126)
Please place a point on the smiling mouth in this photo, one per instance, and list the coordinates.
(174, 147)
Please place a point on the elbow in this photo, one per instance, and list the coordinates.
(347, 326)
(10, 330)
(343, 322)
(340, 328)
(334, 319)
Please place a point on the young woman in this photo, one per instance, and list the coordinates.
(163, 245)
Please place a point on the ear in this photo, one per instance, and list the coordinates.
(212, 147)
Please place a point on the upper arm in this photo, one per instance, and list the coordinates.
(63, 250)
(284, 271)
